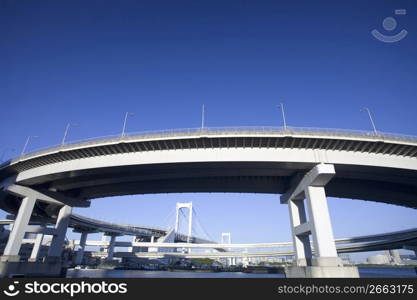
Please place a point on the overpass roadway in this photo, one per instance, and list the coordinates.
(380, 168)
(84, 224)
(375, 242)
(299, 163)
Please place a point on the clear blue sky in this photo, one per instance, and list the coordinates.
(90, 61)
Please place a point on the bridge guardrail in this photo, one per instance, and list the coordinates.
(218, 131)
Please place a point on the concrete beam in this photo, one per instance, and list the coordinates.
(320, 175)
(303, 229)
(46, 196)
(74, 202)
(41, 229)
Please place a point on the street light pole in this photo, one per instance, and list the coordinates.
(66, 132)
(202, 117)
(125, 122)
(26, 144)
(281, 105)
(371, 119)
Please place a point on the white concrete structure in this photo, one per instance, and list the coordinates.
(189, 207)
(325, 262)
(366, 165)
(226, 238)
(394, 256)
(379, 259)
(34, 256)
(80, 252)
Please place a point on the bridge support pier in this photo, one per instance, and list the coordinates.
(52, 266)
(110, 251)
(324, 262)
(11, 251)
(61, 226)
(80, 253)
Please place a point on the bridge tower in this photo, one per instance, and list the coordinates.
(188, 206)
(227, 239)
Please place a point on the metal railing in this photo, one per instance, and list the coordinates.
(207, 131)
(82, 220)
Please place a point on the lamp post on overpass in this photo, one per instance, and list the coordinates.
(202, 116)
(26, 143)
(281, 105)
(371, 119)
(66, 132)
(127, 114)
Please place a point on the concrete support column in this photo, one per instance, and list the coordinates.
(324, 262)
(80, 252)
(103, 240)
(19, 228)
(34, 256)
(131, 249)
(321, 227)
(61, 229)
(110, 251)
(301, 242)
(395, 256)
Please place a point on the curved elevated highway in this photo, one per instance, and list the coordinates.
(260, 160)
(84, 224)
(299, 163)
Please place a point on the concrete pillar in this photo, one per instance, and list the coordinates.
(34, 256)
(61, 229)
(395, 256)
(301, 243)
(14, 242)
(131, 249)
(110, 251)
(80, 252)
(103, 239)
(321, 227)
(324, 262)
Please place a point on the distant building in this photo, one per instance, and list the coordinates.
(379, 259)
(345, 259)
